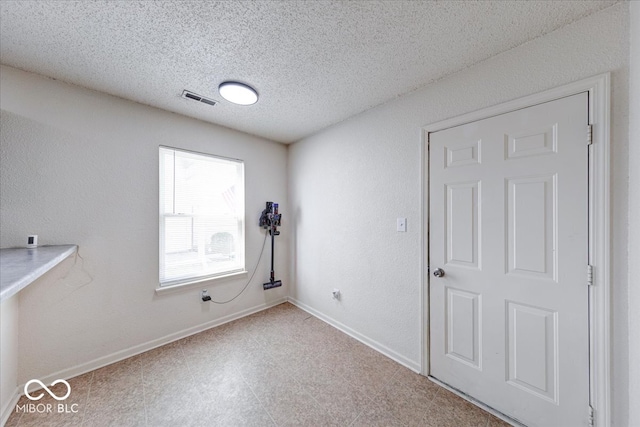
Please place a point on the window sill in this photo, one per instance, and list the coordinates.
(198, 283)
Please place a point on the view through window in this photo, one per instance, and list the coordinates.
(201, 216)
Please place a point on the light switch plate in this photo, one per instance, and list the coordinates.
(401, 224)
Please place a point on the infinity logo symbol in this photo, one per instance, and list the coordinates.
(38, 397)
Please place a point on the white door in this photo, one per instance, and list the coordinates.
(508, 227)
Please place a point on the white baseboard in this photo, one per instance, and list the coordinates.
(8, 408)
(411, 364)
(150, 345)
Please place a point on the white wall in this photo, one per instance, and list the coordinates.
(82, 167)
(8, 353)
(349, 183)
(634, 215)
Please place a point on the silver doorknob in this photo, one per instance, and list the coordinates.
(438, 272)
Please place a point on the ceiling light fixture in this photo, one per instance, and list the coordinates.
(238, 93)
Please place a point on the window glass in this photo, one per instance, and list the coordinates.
(201, 216)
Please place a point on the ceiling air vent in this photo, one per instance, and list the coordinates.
(190, 95)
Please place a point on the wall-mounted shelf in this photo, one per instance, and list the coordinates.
(19, 267)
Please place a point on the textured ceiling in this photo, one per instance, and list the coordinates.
(314, 63)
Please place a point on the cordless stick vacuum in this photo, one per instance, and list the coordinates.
(270, 219)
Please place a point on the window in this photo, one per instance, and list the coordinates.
(201, 216)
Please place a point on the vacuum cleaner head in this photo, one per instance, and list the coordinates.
(272, 284)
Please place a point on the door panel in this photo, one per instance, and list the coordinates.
(532, 354)
(463, 327)
(508, 225)
(531, 226)
(462, 224)
(463, 154)
(532, 142)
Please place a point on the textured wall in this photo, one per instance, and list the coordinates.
(634, 217)
(82, 167)
(349, 183)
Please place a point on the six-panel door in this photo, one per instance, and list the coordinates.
(508, 225)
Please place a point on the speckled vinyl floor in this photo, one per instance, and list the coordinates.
(279, 367)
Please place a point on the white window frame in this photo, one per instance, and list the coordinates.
(194, 279)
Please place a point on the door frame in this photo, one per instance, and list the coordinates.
(599, 233)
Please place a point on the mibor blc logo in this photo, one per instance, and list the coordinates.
(47, 408)
(52, 394)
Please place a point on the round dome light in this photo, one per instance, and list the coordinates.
(238, 93)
